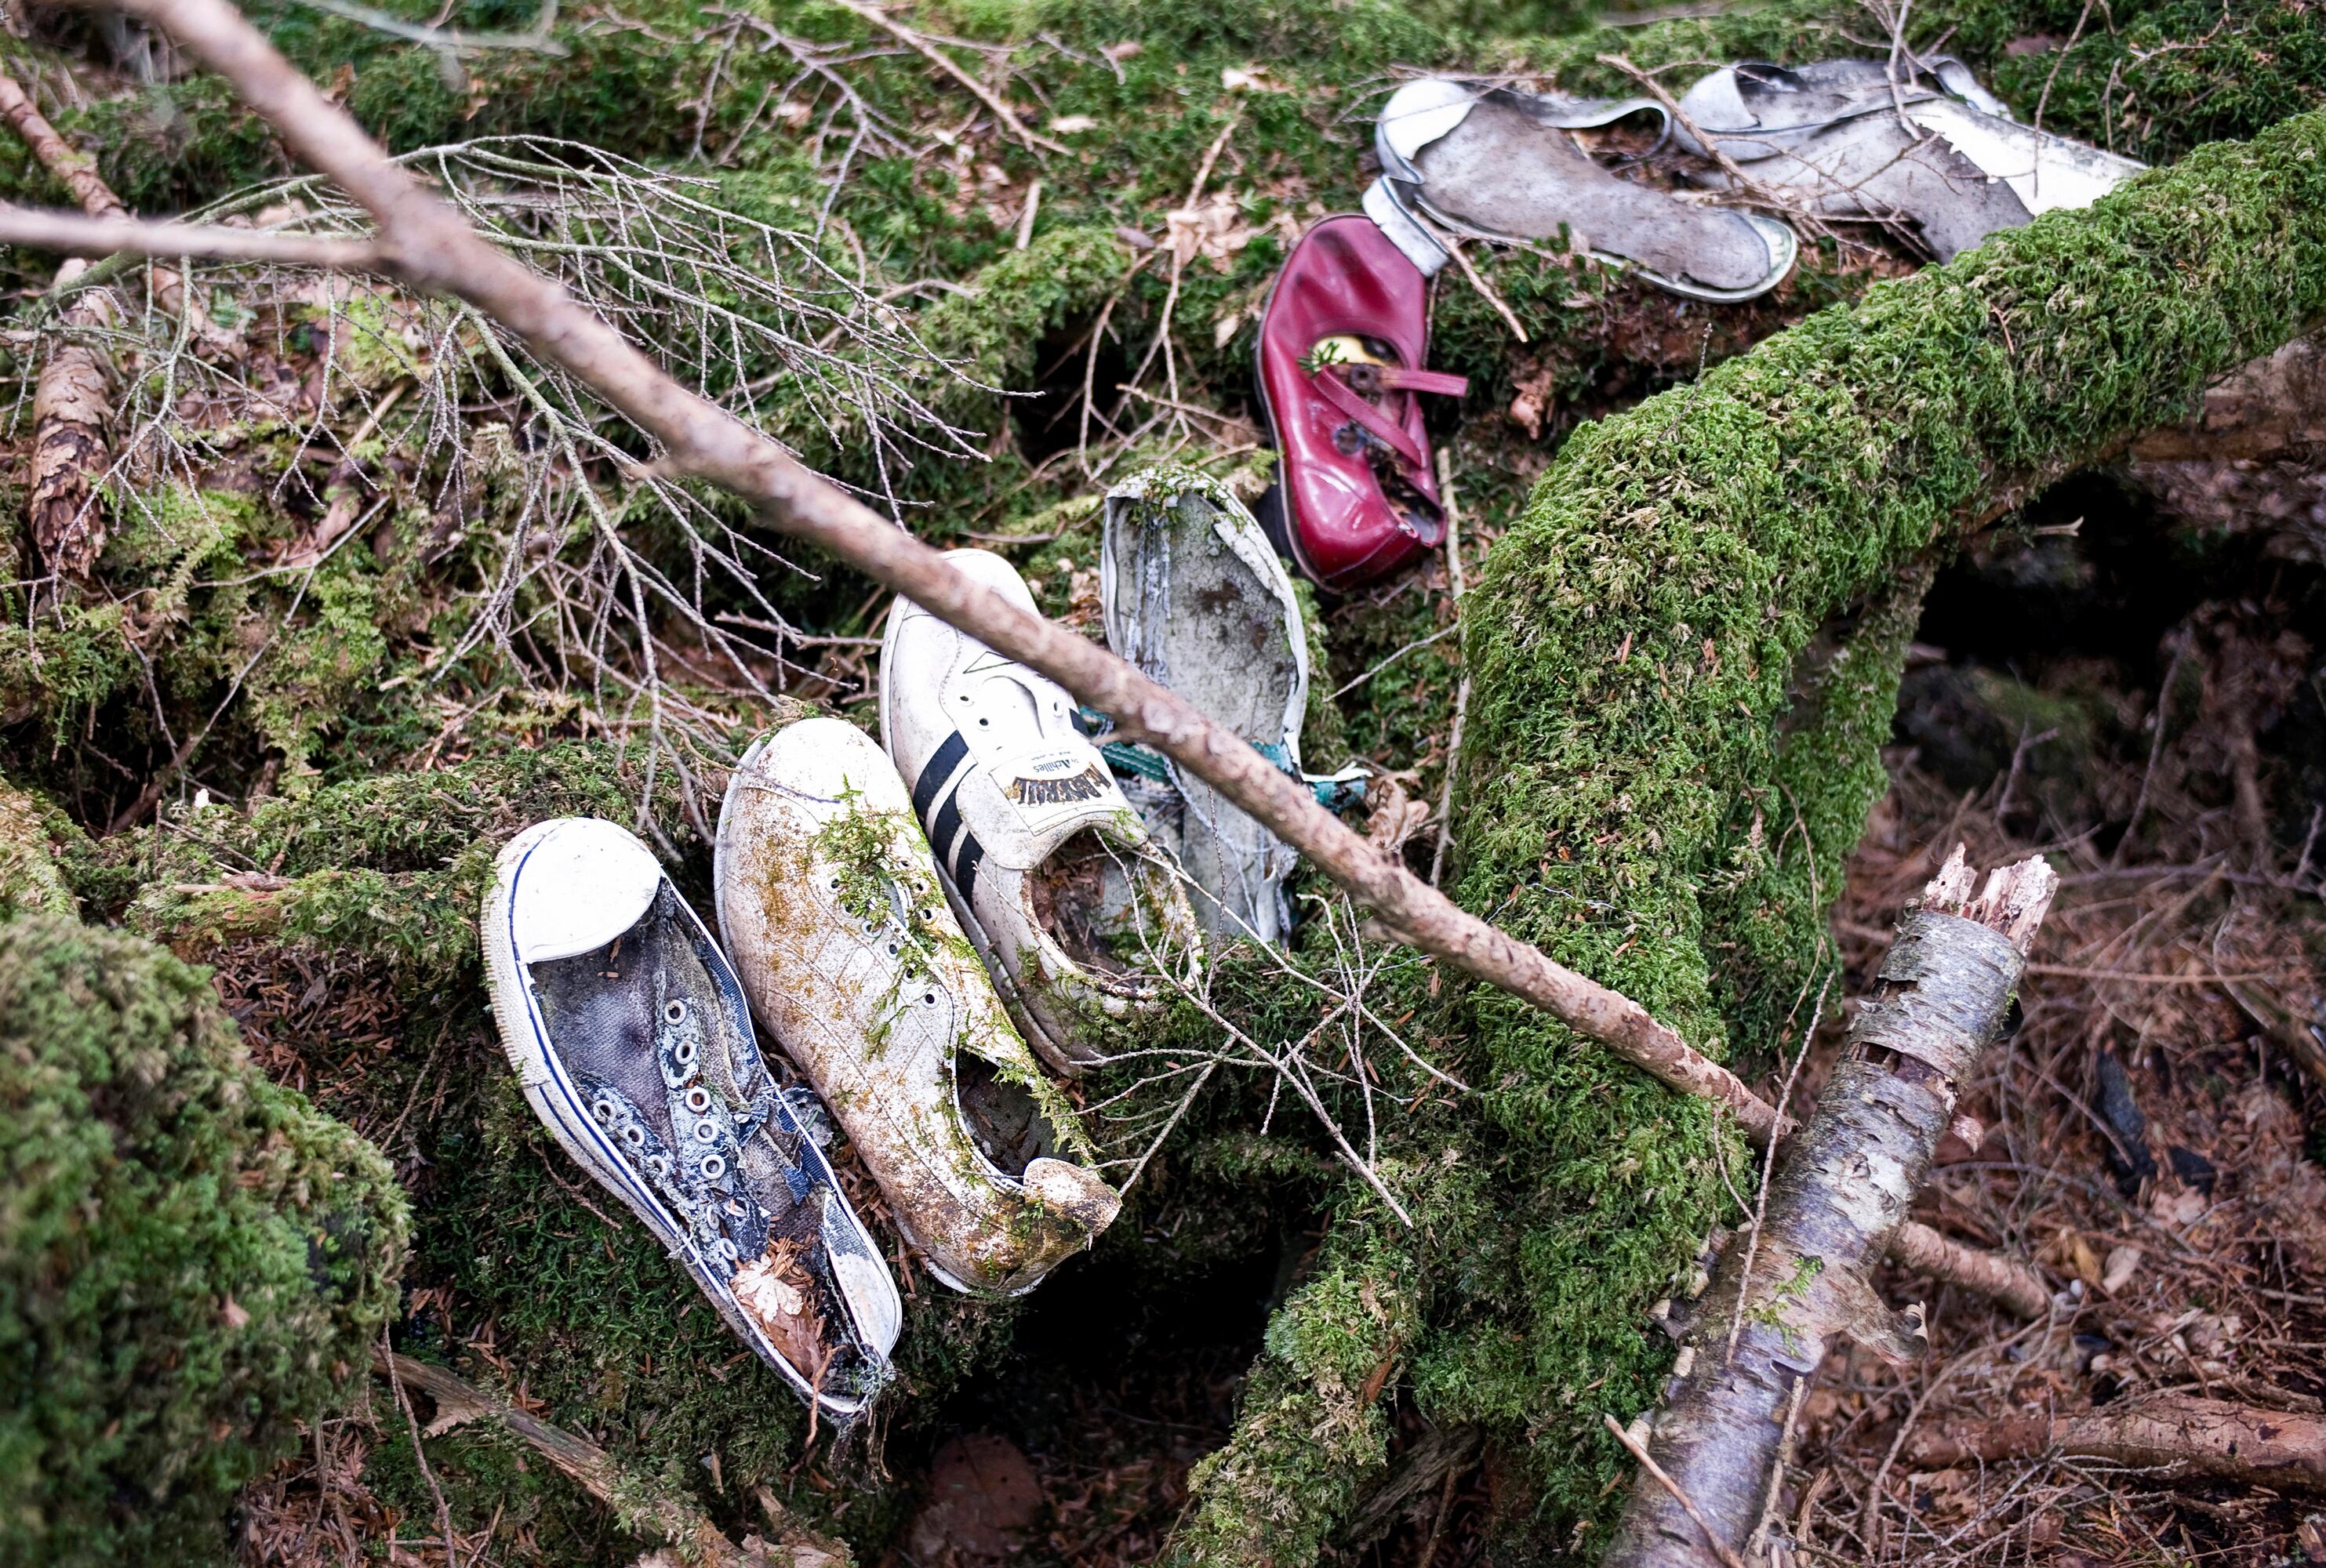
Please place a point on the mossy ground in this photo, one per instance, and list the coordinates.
(1678, 762)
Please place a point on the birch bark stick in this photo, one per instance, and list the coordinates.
(71, 405)
(1838, 1201)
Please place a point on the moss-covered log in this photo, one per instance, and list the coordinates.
(192, 1260)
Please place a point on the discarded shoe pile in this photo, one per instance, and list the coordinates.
(930, 929)
(942, 929)
(1342, 342)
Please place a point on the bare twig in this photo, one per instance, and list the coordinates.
(2184, 1436)
(1458, 586)
(1721, 1549)
(70, 234)
(2003, 1280)
(433, 249)
(450, 41)
(952, 67)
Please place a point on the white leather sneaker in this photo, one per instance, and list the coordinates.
(829, 901)
(633, 1044)
(1076, 912)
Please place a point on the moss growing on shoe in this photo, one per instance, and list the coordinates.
(192, 1260)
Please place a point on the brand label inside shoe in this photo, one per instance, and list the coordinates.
(1086, 784)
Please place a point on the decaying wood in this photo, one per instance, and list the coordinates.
(71, 398)
(2003, 1280)
(642, 1506)
(429, 247)
(2273, 408)
(71, 407)
(2175, 1435)
(1837, 1200)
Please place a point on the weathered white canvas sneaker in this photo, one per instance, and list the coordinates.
(829, 901)
(1194, 596)
(633, 1043)
(1050, 871)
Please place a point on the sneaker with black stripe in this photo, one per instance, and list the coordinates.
(1080, 917)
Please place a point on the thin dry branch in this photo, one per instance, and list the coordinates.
(429, 247)
(659, 1509)
(2174, 1434)
(952, 67)
(73, 169)
(70, 234)
(2003, 1280)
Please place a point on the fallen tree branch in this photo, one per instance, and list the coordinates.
(1839, 1199)
(427, 245)
(71, 233)
(72, 402)
(642, 1505)
(2176, 1434)
(2003, 1280)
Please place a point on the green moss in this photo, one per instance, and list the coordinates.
(191, 1259)
(30, 881)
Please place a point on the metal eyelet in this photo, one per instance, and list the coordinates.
(635, 1136)
(714, 1167)
(929, 999)
(604, 1111)
(658, 1166)
(706, 1132)
(674, 1011)
(685, 1053)
(698, 1099)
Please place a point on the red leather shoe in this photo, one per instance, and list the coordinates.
(1341, 343)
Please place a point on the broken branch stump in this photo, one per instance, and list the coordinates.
(1836, 1204)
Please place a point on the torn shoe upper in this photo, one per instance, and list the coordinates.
(829, 901)
(1956, 166)
(633, 1044)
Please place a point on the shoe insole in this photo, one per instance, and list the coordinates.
(1202, 623)
(1009, 1128)
(1502, 171)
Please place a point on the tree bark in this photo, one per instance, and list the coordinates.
(2272, 409)
(1836, 1205)
(2184, 1436)
(72, 408)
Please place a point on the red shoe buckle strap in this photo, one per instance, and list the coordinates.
(1341, 384)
